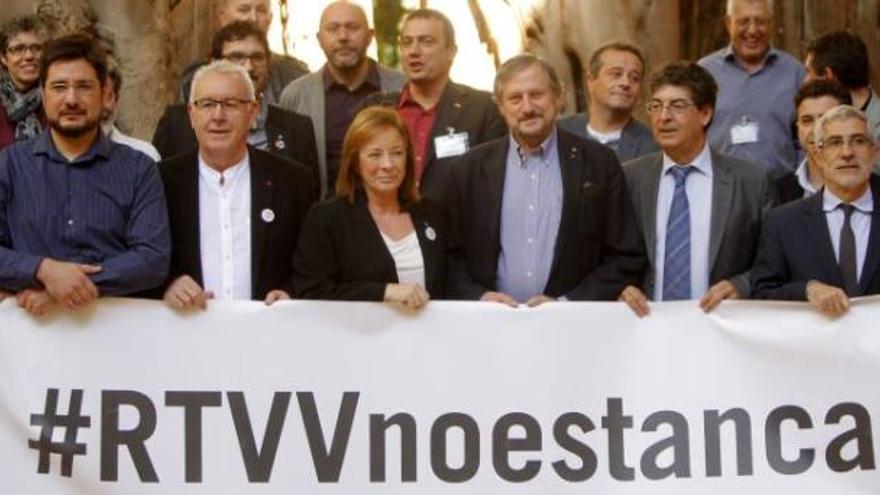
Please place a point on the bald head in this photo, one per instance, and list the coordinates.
(346, 8)
(344, 35)
(256, 11)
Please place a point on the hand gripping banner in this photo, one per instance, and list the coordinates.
(130, 397)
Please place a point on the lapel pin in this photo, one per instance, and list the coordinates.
(430, 233)
(267, 215)
(279, 142)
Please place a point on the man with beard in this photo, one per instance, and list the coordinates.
(331, 95)
(21, 43)
(278, 131)
(80, 215)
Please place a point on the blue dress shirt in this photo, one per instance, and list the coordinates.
(106, 208)
(530, 212)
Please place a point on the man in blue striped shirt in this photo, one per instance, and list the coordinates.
(80, 216)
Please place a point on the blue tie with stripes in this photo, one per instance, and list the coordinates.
(677, 259)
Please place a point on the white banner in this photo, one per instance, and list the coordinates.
(461, 398)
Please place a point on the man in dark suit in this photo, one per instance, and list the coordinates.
(699, 212)
(614, 83)
(826, 248)
(276, 130)
(235, 211)
(812, 100)
(541, 214)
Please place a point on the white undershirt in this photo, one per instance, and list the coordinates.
(407, 255)
(225, 229)
(604, 137)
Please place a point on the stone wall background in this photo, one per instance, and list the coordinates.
(157, 39)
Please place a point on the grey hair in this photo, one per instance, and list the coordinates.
(222, 67)
(840, 112)
(731, 2)
(519, 63)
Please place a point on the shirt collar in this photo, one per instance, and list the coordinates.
(702, 163)
(803, 177)
(230, 176)
(100, 148)
(546, 151)
(372, 78)
(771, 55)
(864, 204)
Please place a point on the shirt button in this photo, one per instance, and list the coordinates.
(529, 274)
(534, 176)
(70, 222)
(531, 207)
(530, 240)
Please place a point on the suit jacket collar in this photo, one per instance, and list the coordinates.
(872, 257)
(650, 194)
(628, 139)
(451, 104)
(817, 225)
(575, 180)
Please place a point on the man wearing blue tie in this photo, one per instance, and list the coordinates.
(699, 212)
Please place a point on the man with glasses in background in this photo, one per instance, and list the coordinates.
(276, 130)
(756, 88)
(825, 249)
(235, 210)
(699, 211)
(21, 112)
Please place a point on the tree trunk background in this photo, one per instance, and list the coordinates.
(157, 39)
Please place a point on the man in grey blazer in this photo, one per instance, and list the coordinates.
(334, 93)
(699, 212)
(614, 83)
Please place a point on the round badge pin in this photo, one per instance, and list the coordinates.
(430, 233)
(267, 215)
(279, 142)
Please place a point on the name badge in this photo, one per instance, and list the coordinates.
(452, 144)
(745, 132)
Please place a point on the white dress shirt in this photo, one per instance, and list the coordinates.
(860, 221)
(803, 177)
(407, 255)
(698, 188)
(225, 229)
(604, 137)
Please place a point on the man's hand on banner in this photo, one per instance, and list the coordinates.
(35, 301)
(499, 297)
(828, 299)
(636, 300)
(68, 283)
(717, 293)
(536, 301)
(275, 295)
(185, 293)
(410, 295)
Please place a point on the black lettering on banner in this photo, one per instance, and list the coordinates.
(589, 463)
(773, 440)
(379, 426)
(861, 433)
(471, 463)
(328, 465)
(679, 442)
(503, 445)
(192, 404)
(258, 463)
(112, 437)
(615, 422)
(742, 424)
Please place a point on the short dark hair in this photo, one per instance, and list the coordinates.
(22, 24)
(688, 75)
(845, 54)
(74, 47)
(237, 31)
(431, 14)
(818, 88)
(619, 46)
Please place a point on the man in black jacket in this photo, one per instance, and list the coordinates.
(235, 211)
(276, 130)
(541, 214)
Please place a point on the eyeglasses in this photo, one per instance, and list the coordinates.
(239, 57)
(80, 88)
(231, 105)
(676, 107)
(835, 144)
(17, 50)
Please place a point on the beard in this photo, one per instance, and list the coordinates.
(74, 130)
